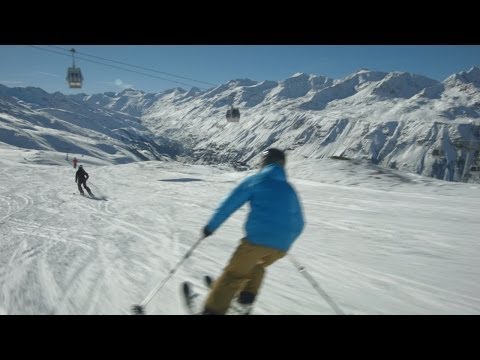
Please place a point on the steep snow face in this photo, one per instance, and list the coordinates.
(130, 101)
(296, 86)
(30, 95)
(251, 96)
(319, 82)
(471, 76)
(398, 120)
(69, 125)
(344, 88)
(402, 85)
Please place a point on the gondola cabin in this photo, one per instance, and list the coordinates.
(233, 115)
(74, 74)
(74, 77)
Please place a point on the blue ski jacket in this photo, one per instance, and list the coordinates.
(275, 219)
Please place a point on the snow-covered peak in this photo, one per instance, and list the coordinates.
(266, 84)
(471, 76)
(363, 70)
(193, 91)
(130, 92)
(319, 82)
(241, 82)
(297, 77)
(250, 96)
(174, 91)
(402, 85)
(211, 93)
(27, 94)
(342, 88)
(362, 76)
(297, 74)
(294, 87)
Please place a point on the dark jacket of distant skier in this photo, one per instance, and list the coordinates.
(275, 219)
(81, 177)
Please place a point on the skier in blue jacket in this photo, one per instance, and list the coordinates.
(275, 221)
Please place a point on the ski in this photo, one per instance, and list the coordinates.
(98, 198)
(93, 197)
(208, 280)
(189, 297)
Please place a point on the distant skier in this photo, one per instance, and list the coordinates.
(275, 221)
(75, 162)
(81, 178)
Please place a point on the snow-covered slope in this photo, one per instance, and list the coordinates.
(30, 118)
(378, 241)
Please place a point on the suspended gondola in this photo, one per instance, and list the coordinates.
(74, 74)
(233, 114)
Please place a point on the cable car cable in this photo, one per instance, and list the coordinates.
(136, 66)
(118, 67)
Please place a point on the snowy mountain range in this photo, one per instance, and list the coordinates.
(397, 120)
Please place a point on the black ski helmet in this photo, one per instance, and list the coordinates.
(271, 156)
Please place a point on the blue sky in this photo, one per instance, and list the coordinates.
(24, 65)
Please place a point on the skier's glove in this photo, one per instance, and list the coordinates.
(206, 232)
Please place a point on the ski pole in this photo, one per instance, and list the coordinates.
(99, 193)
(92, 184)
(139, 309)
(315, 285)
